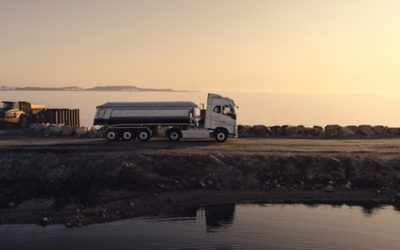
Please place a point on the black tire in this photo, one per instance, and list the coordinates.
(144, 135)
(111, 135)
(127, 135)
(23, 121)
(221, 135)
(174, 134)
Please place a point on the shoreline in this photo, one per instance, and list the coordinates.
(43, 212)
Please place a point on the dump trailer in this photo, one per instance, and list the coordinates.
(129, 120)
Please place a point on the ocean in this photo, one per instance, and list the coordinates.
(269, 108)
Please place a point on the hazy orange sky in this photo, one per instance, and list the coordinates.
(307, 45)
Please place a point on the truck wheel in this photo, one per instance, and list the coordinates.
(111, 135)
(23, 121)
(144, 135)
(220, 135)
(127, 135)
(174, 135)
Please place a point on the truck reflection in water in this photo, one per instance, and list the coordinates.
(221, 216)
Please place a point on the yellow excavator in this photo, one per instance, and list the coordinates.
(21, 113)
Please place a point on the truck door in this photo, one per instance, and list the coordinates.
(216, 116)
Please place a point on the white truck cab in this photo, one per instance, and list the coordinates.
(221, 113)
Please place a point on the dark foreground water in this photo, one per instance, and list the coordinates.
(225, 227)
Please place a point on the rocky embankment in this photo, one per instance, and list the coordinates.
(78, 180)
(245, 131)
(47, 130)
(329, 132)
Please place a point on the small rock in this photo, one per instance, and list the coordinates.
(329, 189)
(397, 197)
(45, 221)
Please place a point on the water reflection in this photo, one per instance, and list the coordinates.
(250, 226)
(219, 216)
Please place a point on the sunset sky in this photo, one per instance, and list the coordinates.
(248, 45)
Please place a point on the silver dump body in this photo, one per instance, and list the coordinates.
(145, 113)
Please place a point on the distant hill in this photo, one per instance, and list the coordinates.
(70, 88)
(122, 88)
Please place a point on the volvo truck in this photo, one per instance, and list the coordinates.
(180, 120)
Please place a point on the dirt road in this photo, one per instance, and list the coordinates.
(381, 148)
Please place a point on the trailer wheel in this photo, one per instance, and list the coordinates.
(144, 135)
(174, 134)
(221, 135)
(127, 135)
(111, 135)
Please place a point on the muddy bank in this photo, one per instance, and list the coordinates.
(91, 184)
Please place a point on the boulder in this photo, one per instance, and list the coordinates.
(260, 130)
(366, 131)
(380, 131)
(67, 131)
(346, 132)
(332, 130)
(162, 131)
(81, 132)
(37, 129)
(393, 132)
(295, 131)
(318, 130)
(54, 131)
(314, 131)
(94, 132)
(244, 130)
(277, 130)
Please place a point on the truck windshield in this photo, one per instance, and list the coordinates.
(229, 111)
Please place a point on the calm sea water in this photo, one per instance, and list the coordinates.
(254, 108)
(225, 227)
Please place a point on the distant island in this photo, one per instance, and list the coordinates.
(123, 88)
